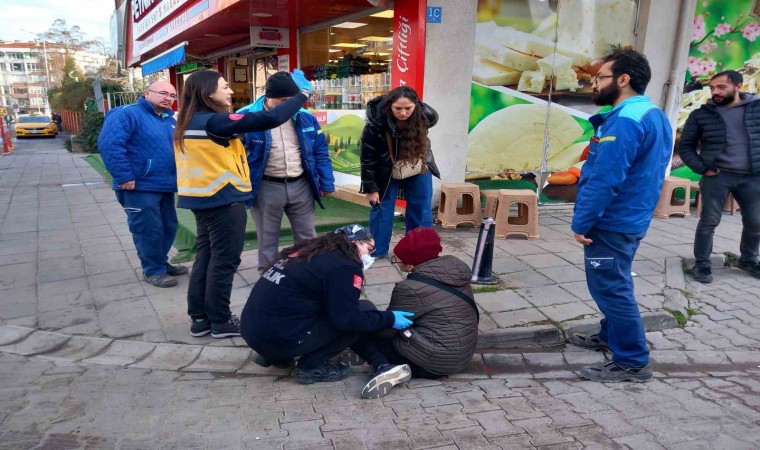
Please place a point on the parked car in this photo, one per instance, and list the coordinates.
(35, 125)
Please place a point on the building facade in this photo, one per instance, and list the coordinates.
(470, 59)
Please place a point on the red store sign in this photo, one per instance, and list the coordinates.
(409, 44)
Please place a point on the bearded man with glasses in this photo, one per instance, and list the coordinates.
(137, 147)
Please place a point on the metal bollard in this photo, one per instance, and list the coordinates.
(483, 262)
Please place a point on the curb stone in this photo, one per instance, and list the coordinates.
(674, 277)
(214, 360)
(36, 342)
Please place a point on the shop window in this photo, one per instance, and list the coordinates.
(349, 62)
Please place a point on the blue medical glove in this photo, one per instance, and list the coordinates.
(401, 320)
(301, 81)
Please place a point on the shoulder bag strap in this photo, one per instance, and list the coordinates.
(390, 146)
(447, 288)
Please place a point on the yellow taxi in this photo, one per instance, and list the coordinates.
(28, 125)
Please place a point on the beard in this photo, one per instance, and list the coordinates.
(724, 100)
(607, 96)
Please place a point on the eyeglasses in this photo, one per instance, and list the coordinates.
(596, 79)
(395, 260)
(164, 94)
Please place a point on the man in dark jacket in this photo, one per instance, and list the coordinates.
(727, 130)
(290, 169)
(138, 151)
(445, 331)
(618, 190)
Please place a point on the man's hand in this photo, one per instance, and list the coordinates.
(325, 193)
(582, 239)
(711, 173)
(128, 186)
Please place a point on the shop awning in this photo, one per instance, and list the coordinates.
(171, 57)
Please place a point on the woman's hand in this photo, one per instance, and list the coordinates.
(373, 198)
(400, 320)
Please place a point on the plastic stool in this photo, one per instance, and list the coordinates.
(667, 205)
(526, 221)
(449, 214)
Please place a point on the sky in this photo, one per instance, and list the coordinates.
(92, 16)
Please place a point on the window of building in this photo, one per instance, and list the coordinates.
(36, 101)
(15, 55)
(32, 67)
(36, 89)
(16, 67)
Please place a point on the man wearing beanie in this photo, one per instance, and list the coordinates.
(444, 334)
(290, 169)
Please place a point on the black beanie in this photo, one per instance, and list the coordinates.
(281, 85)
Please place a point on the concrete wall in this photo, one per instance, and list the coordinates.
(657, 36)
(449, 52)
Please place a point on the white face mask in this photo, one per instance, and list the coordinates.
(367, 261)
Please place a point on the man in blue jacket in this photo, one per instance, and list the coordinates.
(138, 151)
(617, 193)
(290, 169)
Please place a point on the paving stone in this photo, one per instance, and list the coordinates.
(518, 318)
(108, 294)
(251, 368)
(707, 357)
(541, 431)
(526, 279)
(544, 359)
(169, 357)
(64, 301)
(122, 353)
(130, 317)
(564, 274)
(547, 295)
(567, 311)
(77, 348)
(743, 357)
(67, 317)
(506, 300)
(37, 342)
(220, 359)
(10, 334)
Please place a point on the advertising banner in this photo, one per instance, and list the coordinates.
(343, 131)
(408, 63)
(532, 88)
(725, 35)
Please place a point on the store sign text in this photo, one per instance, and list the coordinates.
(142, 7)
(270, 37)
(402, 56)
(163, 10)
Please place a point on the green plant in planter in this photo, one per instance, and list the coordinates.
(91, 126)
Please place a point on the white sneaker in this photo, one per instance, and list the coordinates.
(385, 378)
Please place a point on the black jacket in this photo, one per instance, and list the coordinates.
(296, 295)
(445, 330)
(376, 164)
(705, 130)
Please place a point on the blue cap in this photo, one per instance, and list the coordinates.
(354, 232)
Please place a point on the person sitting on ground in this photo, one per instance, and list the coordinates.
(307, 305)
(445, 331)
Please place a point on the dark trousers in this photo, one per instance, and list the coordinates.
(152, 220)
(608, 275)
(221, 236)
(322, 342)
(418, 193)
(378, 351)
(714, 190)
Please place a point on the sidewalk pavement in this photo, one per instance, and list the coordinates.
(68, 264)
(92, 358)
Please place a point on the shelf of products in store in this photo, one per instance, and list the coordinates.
(352, 92)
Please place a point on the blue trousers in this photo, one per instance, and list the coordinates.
(608, 275)
(152, 220)
(418, 193)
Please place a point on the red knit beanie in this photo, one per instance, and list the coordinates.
(418, 246)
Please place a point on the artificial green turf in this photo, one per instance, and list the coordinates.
(336, 214)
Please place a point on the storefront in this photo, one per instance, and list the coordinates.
(345, 47)
(511, 79)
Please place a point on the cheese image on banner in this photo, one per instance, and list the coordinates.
(513, 138)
